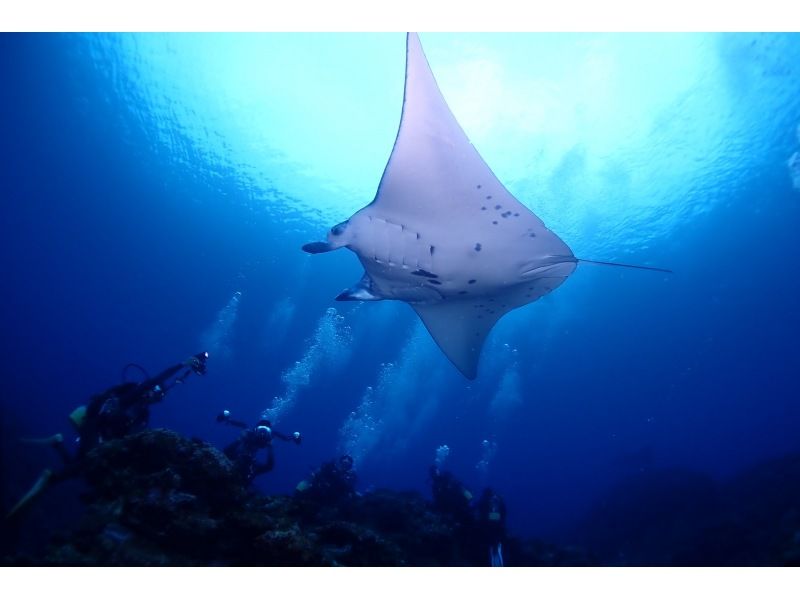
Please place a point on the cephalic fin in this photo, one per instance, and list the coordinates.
(318, 247)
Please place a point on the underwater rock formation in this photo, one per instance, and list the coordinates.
(676, 517)
(157, 498)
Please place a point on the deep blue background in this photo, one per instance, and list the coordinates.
(113, 253)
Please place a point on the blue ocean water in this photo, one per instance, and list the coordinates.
(156, 190)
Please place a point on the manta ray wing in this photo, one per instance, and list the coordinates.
(434, 169)
(460, 329)
(460, 326)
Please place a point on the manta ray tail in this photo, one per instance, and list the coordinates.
(625, 265)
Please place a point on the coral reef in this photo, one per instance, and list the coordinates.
(157, 498)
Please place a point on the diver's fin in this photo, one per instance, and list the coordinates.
(496, 555)
(318, 247)
(38, 487)
(625, 265)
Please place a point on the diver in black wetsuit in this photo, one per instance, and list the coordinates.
(450, 497)
(491, 524)
(242, 452)
(115, 413)
(125, 409)
(332, 484)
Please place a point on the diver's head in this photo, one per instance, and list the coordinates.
(198, 363)
(263, 430)
(492, 500)
(345, 462)
(263, 433)
(156, 393)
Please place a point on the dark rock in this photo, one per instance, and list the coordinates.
(157, 498)
(680, 517)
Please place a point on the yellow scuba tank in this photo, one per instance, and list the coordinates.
(78, 416)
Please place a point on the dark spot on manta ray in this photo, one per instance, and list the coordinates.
(434, 282)
(488, 197)
(478, 247)
(516, 214)
(425, 273)
(494, 221)
(471, 281)
(532, 235)
(483, 208)
(432, 249)
(497, 207)
(478, 186)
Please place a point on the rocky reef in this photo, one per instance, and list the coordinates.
(157, 498)
(678, 517)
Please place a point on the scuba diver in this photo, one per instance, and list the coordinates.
(450, 497)
(115, 413)
(491, 524)
(332, 483)
(242, 452)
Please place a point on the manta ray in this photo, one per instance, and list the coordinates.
(443, 234)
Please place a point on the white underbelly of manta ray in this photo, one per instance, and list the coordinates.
(443, 234)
